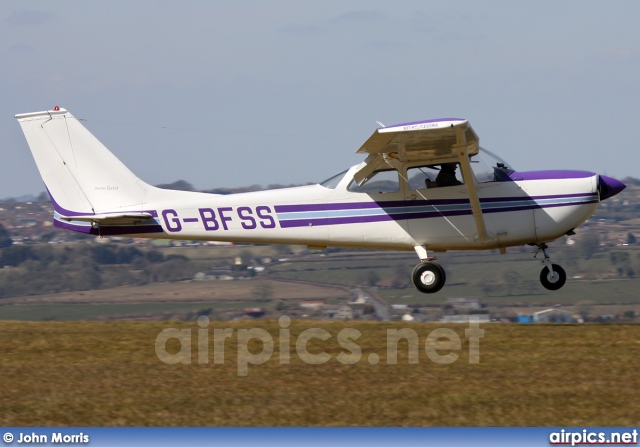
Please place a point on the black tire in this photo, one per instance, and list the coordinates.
(428, 277)
(555, 283)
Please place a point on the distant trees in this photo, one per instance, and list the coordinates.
(5, 238)
(87, 278)
(174, 268)
(15, 255)
(46, 268)
(112, 254)
(372, 278)
(155, 256)
(180, 185)
(623, 263)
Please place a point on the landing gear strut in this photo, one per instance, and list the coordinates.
(552, 276)
(428, 277)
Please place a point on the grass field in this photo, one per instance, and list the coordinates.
(108, 374)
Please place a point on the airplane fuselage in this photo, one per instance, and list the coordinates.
(534, 207)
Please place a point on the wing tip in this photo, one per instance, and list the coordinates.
(437, 123)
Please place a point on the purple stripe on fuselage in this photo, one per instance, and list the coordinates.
(73, 227)
(549, 175)
(420, 215)
(61, 210)
(369, 219)
(68, 213)
(339, 206)
(554, 196)
(536, 206)
(338, 220)
(411, 203)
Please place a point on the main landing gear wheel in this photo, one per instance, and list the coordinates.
(428, 277)
(553, 280)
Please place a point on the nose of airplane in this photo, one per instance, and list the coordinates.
(609, 187)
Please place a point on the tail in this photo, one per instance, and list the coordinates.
(82, 176)
(90, 189)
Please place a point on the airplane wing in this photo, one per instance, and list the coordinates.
(433, 141)
(428, 141)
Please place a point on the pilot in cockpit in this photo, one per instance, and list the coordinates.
(447, 175)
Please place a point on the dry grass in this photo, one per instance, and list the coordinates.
(107, 374)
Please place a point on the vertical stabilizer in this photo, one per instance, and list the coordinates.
(80, 173)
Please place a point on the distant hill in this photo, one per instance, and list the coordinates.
(24, 198)
(180, 185)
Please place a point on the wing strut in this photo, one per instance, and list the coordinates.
(467, 175)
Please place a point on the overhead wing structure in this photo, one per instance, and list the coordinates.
(432, 138)
(428, 141)
(432, 141)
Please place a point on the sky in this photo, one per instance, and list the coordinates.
(236, 93)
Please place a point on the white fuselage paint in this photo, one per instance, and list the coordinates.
(515, 213)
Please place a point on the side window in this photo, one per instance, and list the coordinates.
(379, 182)
(434, 176)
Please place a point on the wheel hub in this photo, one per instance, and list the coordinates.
(427, 278)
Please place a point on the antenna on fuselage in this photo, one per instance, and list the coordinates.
(380, 124)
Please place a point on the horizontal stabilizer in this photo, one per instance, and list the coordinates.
(108, 219)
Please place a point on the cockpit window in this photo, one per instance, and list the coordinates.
(488, 167)
(434, 176)
(379, 182)
(333, 181)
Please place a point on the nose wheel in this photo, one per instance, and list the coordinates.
(552, 276)
(428, 277)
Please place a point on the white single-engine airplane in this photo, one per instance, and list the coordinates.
(407, 194)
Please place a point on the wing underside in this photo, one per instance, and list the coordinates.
(432, 142)
(425, 141)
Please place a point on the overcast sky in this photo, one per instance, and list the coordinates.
(236, 93)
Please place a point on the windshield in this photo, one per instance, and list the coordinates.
(334, 180)
(488, 167)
